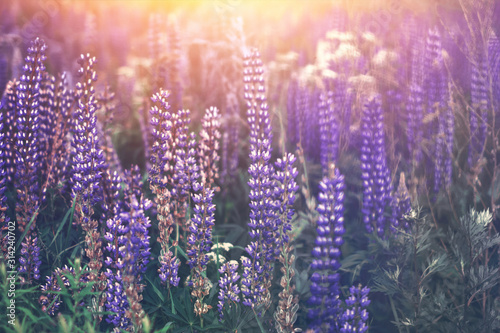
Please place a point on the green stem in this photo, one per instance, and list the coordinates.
(395, 313)
(258, 322)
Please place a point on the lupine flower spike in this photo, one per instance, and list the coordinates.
(285, 190)
(355, 316)
(228, 284)
(199, 243)
(28, 162)
(257, 269)
(161, 126)
(375, 175)
(325, 291)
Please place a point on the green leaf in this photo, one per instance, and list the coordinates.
(68, 214)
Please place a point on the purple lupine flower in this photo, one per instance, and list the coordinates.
(329, 131)
(174, 65)
(179, 175)
(375, 174)
(111, 204)
(161, 125)
(228, 284)
(10, 102)
(28, 156)
(133, 185)
(415, 125)
(449, 134)
(88, 158)
(209, 148)
(129, 252)
(324, 281)
(51, 301)
(432, 77)
(63, 123)
(355, 316)
(30, 258)
(230, 141)
(4, 74)
(284, 192)
(311, 122)
(88, 163)
(4, 220)
(292, 115)
(479, 111)
(301, 101)
(494, 65)
(47, 121)
(199, 242)
(137, 251)
(257, 269)
(444, 133)
(105, 117)
(116, 301)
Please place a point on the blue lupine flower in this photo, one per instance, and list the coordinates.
(230, 141)
(257, 270)
(330, 229)
(200, 237)
(128, 247)
(415, 124)
(228, 284)
(209, 148)
(160, 127)
(355, 316)
(161, 158)
(88, 163)
(479, 112)
(284, 193)
(329, 130)
(4, 220)
(375, 175)
(28, 157)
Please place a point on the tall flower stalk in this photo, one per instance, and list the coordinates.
(161, 125)
(28, 157)
(284, 192)
(375, 175)
(257, 270)
(325, 290)
(88, 167)
(199, 243)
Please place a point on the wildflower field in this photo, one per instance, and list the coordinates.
(249, 166)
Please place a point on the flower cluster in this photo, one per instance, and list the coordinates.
(324, 281)
(479, 112)
(88, 164)
(375, 175)
(228, 284)
(209, 147)
(28, 156)
(50, 299)
(414, 129)
(285, 189)
(328, 129)
(257, 268)
(161, 125)
(199, 242)
(355, 316)
(4, 220)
